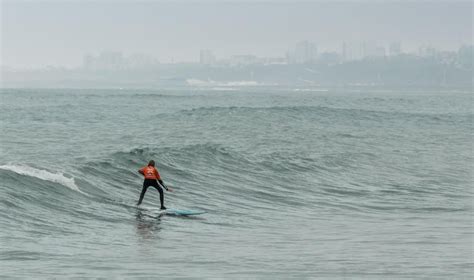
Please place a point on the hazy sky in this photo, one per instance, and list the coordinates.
(38, 33)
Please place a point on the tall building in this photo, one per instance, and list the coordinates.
(206, 57)
(345, 52)
(305, 52)
(352, 51)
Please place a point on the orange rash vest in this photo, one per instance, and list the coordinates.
(150, 173)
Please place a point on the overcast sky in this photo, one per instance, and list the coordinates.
(39, 33)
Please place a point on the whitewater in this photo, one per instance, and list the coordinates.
(296, 183)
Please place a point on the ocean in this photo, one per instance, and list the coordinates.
(296, 183)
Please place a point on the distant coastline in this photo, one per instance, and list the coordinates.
(450, 70)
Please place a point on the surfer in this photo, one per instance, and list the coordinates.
(152, 177)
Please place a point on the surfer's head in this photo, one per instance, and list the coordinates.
(151, 163)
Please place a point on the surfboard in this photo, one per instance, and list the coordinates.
(172, 211)
(183, 212)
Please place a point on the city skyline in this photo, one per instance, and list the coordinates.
(60, 34)
(302, 52)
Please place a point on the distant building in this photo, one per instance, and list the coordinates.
(345, 52)
(368, 49)
(206, 57)
(104, 61)
(426, 51)
(372, 50)
(351, 52)
(140, 61)
(112, 61)
(88, 62)
(329, 58)
(395, 49)
(465, 56)
(273, 60)
(243, 60)
(380, 52)
(305, 52)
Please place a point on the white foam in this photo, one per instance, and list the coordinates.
(43, 175)
(212, 83)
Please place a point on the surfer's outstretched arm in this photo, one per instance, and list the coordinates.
(163, 185)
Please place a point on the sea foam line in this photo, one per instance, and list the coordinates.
(43, 175)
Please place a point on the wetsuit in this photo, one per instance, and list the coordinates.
(152, 177)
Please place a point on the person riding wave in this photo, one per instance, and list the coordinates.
(153, 179)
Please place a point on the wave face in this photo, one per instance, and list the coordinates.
(43, 175)
(294, 183)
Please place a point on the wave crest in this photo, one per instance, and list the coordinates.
(43, 175)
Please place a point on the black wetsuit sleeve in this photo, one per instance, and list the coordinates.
(163, 184)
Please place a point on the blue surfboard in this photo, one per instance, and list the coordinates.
(183, 212)
(172, 211)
